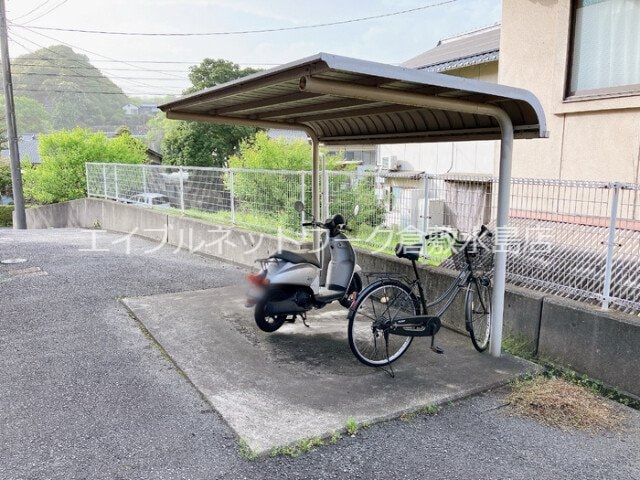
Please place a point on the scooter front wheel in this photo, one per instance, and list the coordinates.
(266, 323)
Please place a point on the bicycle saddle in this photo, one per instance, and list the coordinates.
(410, 252)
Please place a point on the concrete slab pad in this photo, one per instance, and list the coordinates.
(276, 389)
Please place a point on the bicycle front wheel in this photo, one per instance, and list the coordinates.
(382, 301)
(478, 312)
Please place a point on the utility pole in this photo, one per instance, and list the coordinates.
(12, 134)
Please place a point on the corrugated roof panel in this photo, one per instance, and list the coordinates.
(275, 97)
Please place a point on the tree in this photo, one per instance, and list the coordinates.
(212, 72)
(76, 92)
(5, 179)
(271, 196)
(202, 144)
(31, 116)
(61, 175)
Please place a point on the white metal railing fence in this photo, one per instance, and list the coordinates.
(576, 239)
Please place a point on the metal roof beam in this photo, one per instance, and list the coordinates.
(201, 117)
(265, 102)
(312, 109)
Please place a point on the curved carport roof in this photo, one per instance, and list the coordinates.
(340, 100)
(283, 97)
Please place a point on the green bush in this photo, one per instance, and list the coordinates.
(6, 215)
(61, 175)
(272, 196)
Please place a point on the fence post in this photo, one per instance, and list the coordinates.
(86, 176)
(115, 181)
(302, 214)
(231, 193)
(425, 216)
(611, 243)
(144, 179)
(325, 191)
(181, 173)
(104, 180)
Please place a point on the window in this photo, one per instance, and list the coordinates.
(605, 56)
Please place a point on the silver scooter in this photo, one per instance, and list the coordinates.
(289, 283)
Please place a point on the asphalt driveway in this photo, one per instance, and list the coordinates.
(84, 394)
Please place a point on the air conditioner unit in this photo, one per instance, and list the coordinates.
(390, 163)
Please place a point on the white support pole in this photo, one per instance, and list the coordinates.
(302, 214)
(325, 190)
(611, 243)
(425, 216)
(376, 94)
(315, 191)
(501, 233)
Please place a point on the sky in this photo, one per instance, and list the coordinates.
(392, 39)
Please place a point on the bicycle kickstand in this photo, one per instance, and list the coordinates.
(434, 347)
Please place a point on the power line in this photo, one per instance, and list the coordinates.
(48, 11)
(77, 67)
(32, 10)
(239, 32)
(132, 82)
(195, 62)
(92, 53)
(157, 94)
(72, 75)
(52, 74)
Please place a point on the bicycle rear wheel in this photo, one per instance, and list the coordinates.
(478, 312)
(380, 301)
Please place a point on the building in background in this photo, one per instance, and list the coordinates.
(471, 55)
(130, 109)
(28, 148)
(582, 60)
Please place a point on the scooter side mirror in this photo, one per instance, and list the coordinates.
(299, 206)
(356, 210)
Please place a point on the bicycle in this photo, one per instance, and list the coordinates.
(387, 314)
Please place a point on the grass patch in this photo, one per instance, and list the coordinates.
(303, 446)
(518, 345)
(431, 409)
(351, 426)
(335, 438)
(408, 417)
(559, 403)
(245, 451)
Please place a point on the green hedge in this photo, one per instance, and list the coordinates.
(6, 218)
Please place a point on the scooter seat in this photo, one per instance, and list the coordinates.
(301, 257)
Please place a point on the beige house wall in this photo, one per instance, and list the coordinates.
(590, 138)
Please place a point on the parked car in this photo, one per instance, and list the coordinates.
(151, 200)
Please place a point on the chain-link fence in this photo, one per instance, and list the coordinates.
(571, 238)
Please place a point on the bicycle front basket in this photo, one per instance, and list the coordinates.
(480, 255)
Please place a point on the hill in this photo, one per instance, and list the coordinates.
(74, 92)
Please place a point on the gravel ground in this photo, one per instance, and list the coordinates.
(86, 395)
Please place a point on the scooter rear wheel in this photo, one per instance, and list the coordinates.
(266, 323)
